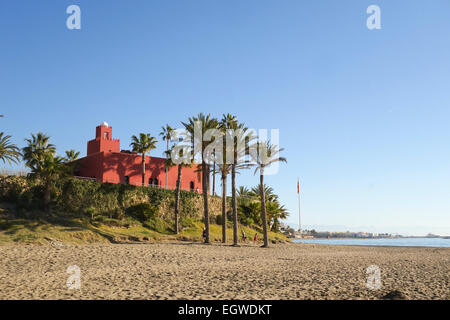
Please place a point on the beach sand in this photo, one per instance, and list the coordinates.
(197, 271)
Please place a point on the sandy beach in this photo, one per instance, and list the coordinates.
(197, 271)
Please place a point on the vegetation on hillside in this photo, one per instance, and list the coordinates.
(86, 211)
(51, 188)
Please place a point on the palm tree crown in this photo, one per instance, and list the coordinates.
(49, 166)
(143, 144)
(167, 133)
(265, 155)
(38, 147)
(72, 155)
(203, 123)
(268, 192)
(8, 152)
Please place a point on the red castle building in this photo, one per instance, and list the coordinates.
(105, 162)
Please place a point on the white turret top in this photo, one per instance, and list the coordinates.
(104, 124)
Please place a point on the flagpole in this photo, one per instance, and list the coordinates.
(299, 217)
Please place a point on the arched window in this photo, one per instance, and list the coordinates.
(150, 182)
(191, 185)
(155, 182)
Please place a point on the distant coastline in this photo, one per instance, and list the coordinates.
(354, 238)
(313, 234)
(437, 242)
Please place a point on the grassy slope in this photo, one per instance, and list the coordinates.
(82, 231)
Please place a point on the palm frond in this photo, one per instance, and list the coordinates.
(8, 152)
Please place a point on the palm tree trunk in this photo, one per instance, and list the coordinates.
(167, 149)
(143, 169)
(224, 208)
(177, 198)
(214, 179)
(205, 179)
(234, 205)
(47, 195)
(263, 208)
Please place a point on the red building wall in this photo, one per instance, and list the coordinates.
(106, 163)
(103, 141)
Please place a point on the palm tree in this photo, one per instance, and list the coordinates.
(203, 123)
(48, 168)
(214, 174)
(38, 147)
(269, 193)
(72, 155)
(8, 152)
(39, 156)
(145, 143)
(239, 137)
(169, 163)
(251, 210)
(70, 161)
(167, 134)
(266, 154)
(275, 212)
(224, 170)
(244, 194)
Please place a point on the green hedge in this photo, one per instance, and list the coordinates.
(94, 198)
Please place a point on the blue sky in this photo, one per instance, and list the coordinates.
(363, 115)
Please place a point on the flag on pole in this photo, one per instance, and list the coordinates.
(298, 186)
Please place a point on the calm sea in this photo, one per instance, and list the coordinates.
(398, 242)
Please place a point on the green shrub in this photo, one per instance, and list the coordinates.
(187, 222)
(78, 195)
(92, 212)
(219, 219)
(187, 203)
(245, 220)
(81, 198)
(6, 225)
(229, 215)
(11, 188)
(142, 211)
(118, 213)
(158, 225)
(156, 196)
(125, 223)
(31, 198)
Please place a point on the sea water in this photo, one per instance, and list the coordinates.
(395, 242)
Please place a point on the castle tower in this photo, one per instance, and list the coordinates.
(103, 141)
